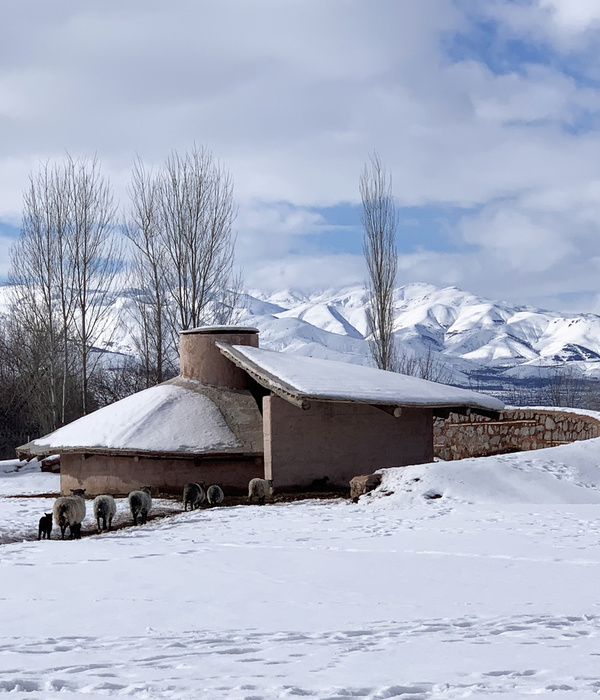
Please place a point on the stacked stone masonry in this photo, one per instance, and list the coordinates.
(458, 436)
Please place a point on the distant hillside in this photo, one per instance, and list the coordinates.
(478, 340)
(470, 334)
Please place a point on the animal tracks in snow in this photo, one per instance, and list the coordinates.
(436, 601)
(239, 665)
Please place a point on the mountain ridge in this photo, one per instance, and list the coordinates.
(467, 333)
(470, 336)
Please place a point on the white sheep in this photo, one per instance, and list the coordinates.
(140, 504)
(193, 494)
(105, 509)
(260, 489)
(214, 495)
(69, 511)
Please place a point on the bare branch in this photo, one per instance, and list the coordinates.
(182, 250)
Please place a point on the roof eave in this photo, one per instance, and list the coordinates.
(289, 393)
(35, 451)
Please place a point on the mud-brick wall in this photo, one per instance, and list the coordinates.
(457, 437)
(340, 441)
(99, 473)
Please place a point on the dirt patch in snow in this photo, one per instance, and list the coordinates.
(164, 506)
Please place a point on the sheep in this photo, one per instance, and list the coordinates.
(45, 526)
(319, 484)
(140, 503)
(214, 495)
(260, 489)
(70, 511)
(105, 509)
(193, 494)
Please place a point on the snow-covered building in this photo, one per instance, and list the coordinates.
(238, 411)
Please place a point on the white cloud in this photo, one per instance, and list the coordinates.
(292, 97)
(267, 232)
(305, 272)
(519, 240)
(573, 16)
(14, 173)
(567, 25)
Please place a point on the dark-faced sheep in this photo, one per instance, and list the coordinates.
(214, 495)
(140, 504)
(69, 511)
(259, 489)
(193, 495)
(45, 526)
(105, 510)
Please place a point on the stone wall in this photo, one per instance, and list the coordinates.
(458, 437)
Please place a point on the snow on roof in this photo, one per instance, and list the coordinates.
(217, 330)
(305, 378)
(168, 418)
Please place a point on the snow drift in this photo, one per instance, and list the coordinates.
(569, 474)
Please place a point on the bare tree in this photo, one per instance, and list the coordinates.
(559, 386)
(42, 285)
(115, 382)
(424, 366)
(230, 305)
(197, 213)
(564, 386)
(94, 255)
(180, 230)
(148, 275)
(62, 270)
(379, 221)
(24, 410)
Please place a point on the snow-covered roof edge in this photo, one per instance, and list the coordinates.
(481, 403)
(233, 415)
(264, 378)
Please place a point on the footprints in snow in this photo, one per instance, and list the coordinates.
(261, 665)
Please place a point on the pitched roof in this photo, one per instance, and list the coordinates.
(177, 418)
(299, 379)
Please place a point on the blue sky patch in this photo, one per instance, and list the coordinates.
(486, 44)
(9, 230)
(430, 228)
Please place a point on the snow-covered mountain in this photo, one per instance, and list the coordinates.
(469, 335)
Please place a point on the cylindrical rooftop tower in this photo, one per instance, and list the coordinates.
(200, 359)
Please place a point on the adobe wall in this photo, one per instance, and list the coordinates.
(119, 475)
(201, 359)
(458, 437)
(340, 441)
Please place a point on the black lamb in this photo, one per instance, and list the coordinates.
(45, 526)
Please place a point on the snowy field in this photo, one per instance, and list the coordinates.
(472, 579)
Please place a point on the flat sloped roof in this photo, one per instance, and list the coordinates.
(298, 379)
(178, 417)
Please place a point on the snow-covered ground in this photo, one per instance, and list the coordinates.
(470, 579)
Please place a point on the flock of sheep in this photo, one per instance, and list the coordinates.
(69, 511)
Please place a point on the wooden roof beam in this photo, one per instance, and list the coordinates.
(395, 411)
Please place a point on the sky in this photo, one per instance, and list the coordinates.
(486, 114)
